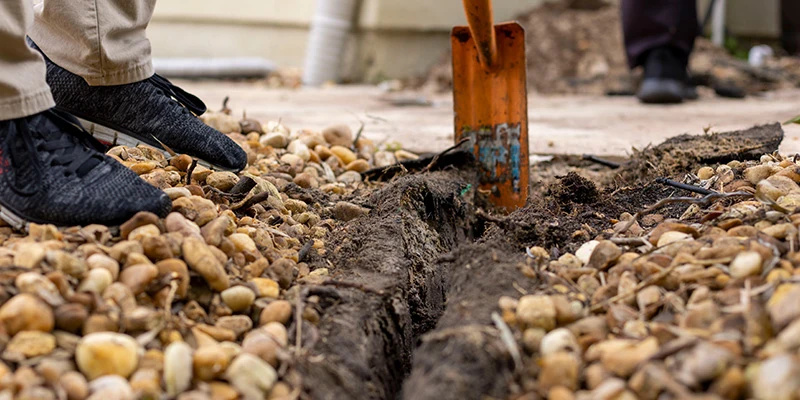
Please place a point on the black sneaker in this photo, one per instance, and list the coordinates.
(665, 78)
(153, 111)
(52, 172)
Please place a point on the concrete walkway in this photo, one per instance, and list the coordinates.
(558, 124)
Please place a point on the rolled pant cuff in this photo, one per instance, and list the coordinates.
(27, 104)
(134, 74)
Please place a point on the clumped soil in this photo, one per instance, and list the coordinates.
(408, 309)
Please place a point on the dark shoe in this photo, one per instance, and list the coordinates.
(153, 111)
(665, 78)
(51, 172)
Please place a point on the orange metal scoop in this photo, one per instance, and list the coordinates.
(491, 101)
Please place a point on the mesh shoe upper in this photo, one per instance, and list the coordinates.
(147, 110)
(51, 172)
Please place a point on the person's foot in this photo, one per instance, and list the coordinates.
(51, 172)
(665, 78)
(154, 112)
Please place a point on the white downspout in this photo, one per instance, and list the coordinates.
(330, 27)
(718, 23)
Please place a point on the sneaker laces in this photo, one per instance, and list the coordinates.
(70, 145)
(187, 100)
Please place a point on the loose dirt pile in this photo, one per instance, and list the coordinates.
(577, 47)
(328, 270)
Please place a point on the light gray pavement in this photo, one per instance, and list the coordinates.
(558, 124)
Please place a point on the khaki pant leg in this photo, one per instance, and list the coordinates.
(102, 41)
(23, 89)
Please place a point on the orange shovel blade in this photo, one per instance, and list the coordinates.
(491, 110)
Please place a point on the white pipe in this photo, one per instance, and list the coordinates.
(243, 67)
(718, 23)
(327, 39)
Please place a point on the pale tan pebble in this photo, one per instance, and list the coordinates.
(121, 295)
(266, 341)
(279, 311)
(338, 135)
(603, 255)
(295, 206)
(725, 174)
(25, 312)
(403, 155)
(384, 159)
(110, 387)
(758, 173)
(251, 376)
(299, 149)
(97, 323)
(107, 353)
(594, 375)
(647, 297)
(536, 311)
(238, 298)
(323, 151)
(51, 368)
(31, 344)
(124, 249)
(346, 211)
(138, 277)
(209, 363)
(349, 177)
(559, 340)
(705, 173)
(766, 190)
(103, 261)
(177, 192)
(293, 161)
(223, 180)
(34, 393)
(217, 333)
(216, 230)
(239, 324)
(96, 281)
(37, 284)
(202, 260)
(344, 154)
(266, 287)
(29, 255)
(143, 167)
(704, 363)
(221, 122)
(359, 166)
(66, 263)
(222, 391)
(559, 369)
(310, 138)
(781, 231)
(532, 339)
(275, 139)
(306, 181)
(672, 237)
(584, 253)
(776, 378)
(74, 384)
(507, 303)
(784, 305)
(745, 264)
(146, 383)
(178, 360)
(623, 359)
(281, 391)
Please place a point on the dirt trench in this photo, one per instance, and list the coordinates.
(385, 289)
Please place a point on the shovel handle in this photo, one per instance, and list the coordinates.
(481, 24)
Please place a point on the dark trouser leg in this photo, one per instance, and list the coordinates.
(648, 24)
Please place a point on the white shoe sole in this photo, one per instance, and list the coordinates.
(115, 138)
